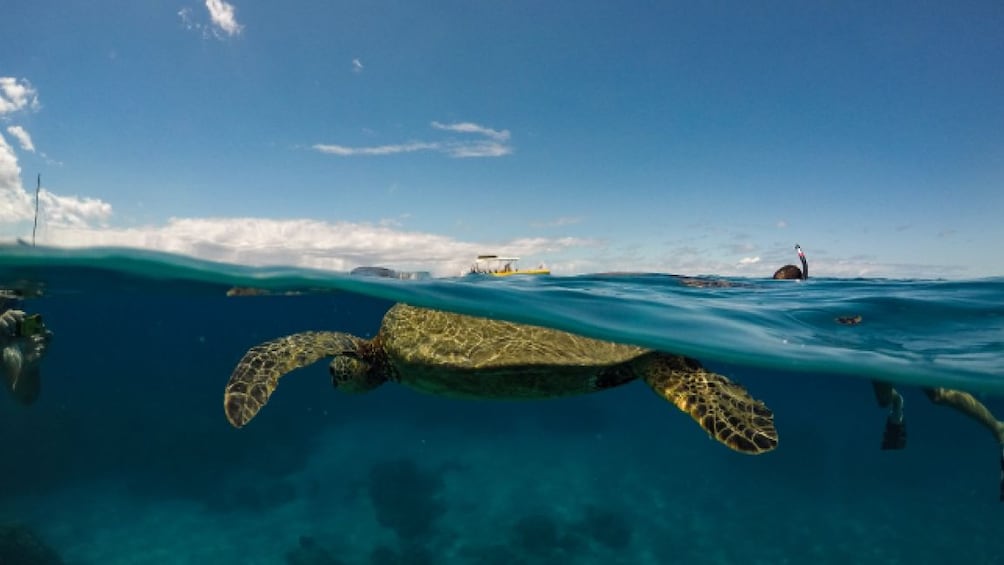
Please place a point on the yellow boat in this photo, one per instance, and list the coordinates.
(495, 266)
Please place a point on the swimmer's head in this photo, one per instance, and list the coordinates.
(788, 272)
(793, 272)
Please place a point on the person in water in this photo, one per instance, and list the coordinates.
(793, 272)
(24, 340)
(894, 436)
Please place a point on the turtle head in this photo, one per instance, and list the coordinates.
(360, 370)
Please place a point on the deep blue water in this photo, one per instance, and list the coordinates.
(127, 457)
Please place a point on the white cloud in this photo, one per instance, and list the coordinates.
(357, 66)
(16, 95)
(477, 149)
(224, 16)
(339, 246)
(222, 24)
(17, 205)
(22, 137)
(72, 211)
(781, 224)
(749, 260)
(495, 146)
(468, 127)
(343, 151)
(74, 221)
(186, 19)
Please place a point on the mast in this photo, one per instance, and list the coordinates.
(38, 187)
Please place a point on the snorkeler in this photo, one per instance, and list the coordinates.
(793, 272)
(894, 436)
(23, 342)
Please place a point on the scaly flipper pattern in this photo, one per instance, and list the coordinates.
(723, 408)
(257, 373)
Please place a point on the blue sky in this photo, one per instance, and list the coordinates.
(690, 138)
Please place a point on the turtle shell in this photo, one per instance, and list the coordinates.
(458, 355)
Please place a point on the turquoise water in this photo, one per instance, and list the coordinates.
(127, 457)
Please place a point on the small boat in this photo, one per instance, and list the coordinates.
(496, 266)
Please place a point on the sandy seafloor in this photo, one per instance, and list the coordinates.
(128, 459)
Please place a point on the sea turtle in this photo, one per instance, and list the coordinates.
(473, 357)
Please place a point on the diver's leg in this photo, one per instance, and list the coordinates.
(894, 436)
(883, 393)
(970, 406)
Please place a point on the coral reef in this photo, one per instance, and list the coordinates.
(410, 555)
(540, 535)
(251, 495)
(20, 546)
(406, 498)
(604, 526)
(308, 552)
(499, 554)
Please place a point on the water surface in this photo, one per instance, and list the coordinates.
(127, 458)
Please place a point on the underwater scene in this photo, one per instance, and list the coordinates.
(737, 421)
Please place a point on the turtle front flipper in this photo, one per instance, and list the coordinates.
(723, 408)
(257, 373)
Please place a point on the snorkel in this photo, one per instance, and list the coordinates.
(805, 264)
(791, 272)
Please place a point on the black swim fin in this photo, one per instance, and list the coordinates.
(894, 437)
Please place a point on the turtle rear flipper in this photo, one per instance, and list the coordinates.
(724, 409)
(257, 373)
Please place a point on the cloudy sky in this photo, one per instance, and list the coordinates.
(693, 138)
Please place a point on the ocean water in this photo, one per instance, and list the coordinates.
(127, 458)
